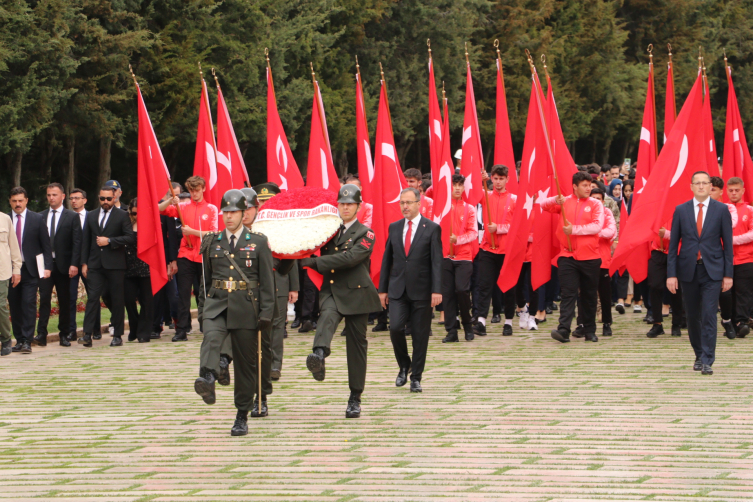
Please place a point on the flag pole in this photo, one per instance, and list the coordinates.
(169, 181)
(386, 99)
(452, 216)
(203, 86)
(319, 106)
(539, 93)
(669, 48)
(650, 50)
(360, 84)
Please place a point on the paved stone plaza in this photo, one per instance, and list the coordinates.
(514, 418)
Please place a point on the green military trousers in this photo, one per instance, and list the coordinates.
(278, 331)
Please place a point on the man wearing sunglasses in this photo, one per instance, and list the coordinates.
(103, 259)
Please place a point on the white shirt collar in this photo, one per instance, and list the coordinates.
(415, 220)
(237, 234)
(696, 202)
(22, 215)
(350, 223)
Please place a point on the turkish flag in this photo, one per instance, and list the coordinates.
(321, 170)
(281, 166)
(443, 184)
(228, 152)
(669, 184)
(153, 183)
(205, 159)
(670, 108)
(363, 147)
(737, 161)
(436, 134)
(388, 183)
(472, 162)
(503, 153)
(532, 179)
(647, 148)
(712, 161)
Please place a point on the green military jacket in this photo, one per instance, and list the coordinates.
(286, 282)
(345, 264)
(243, 308)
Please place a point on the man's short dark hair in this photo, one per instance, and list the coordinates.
(614, 167)
(108, 189)
(413, 173)
(717, 182)
(19, 191)
(56, 185)
(605, 168)
(352, 177)
(78, 190)
(699, 172)
(458, 179)
(412, 190)
(499, 170)
(426, 176)
(597, 191)
(425, 184)
(735, 181)
(580, 177)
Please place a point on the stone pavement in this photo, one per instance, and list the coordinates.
(514, 418)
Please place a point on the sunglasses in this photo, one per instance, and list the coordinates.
(108, 199)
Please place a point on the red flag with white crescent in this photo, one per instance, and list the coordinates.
(205, 158)
(503, 153)
(712, 161)
(443, 180)
(670, 108)
(281, 166)
(321, 170)
(472, 162)
(389, 181)
(228, 152)
(647, 148)
(363, 147)
(436, 132)
(737, 161)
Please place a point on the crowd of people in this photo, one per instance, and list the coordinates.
(423, 276)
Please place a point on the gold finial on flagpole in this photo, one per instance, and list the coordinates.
(467, 61)
(700, 56)
(428, 44)
(200, 71)
(216, 81)
(543, 62)
(130, 69)
(669, 48)
(496, 46)
(266, 55)
(444, 96)
(381, 72)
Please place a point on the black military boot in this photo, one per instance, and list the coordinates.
(204, 385)
(264, 410)
(240, 427)
(354, 405)
(315, 364)
(224, 376)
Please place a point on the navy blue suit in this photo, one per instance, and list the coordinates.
(701, 279)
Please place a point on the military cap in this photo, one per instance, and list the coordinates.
(251, 199)
(266, 191)
(233, 200)
(349, 194)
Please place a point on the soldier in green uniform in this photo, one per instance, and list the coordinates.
(240, 303)
(347, 292)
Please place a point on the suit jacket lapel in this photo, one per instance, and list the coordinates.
(348, 234)
(419, 232)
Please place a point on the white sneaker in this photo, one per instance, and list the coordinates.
(637, 309)
(532, 323)
(523, 322)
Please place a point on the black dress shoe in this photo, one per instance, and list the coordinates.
(296, 323)
(402, 377)
(606, 330)
(479, 329)
(591, 337)
(507, 330)
(415, 386)
(649, 319)
(371, 321)
(6, 348)
(676, 331)
(86, 340)
(180, 337)
(240, 427)
(620, 308)
(204, 386)
(656, 330)
(579, 333)
(742, 330)
(539, 321)
(306, 327)
(132, 337)
(548, 310)
(224, 377)
(380, 327)
(468, 328)
(72, 337)
(97, 336)
(315, 364)
(17, 346)
(64, 341)
(560, 335)
(729, 330)
(255, 413)
(440, 322)
(452, 336)
(275, 374)
(707, 370)
(354, 406)
(26, 348)
(117, 341)
(697, 365)
(155, 336)
(145, 340)
(496, 319)
(41, 340)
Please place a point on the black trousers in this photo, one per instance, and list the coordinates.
(736, 304)
(701, 296)
(73, 294)
(139, 323)
(188, 271)
(657, 281)
(307, 306)
(62, 284)
(23, 305)
(621, 282)
(489, 266)
(605, 297)
(418, 313)
(578, 276)
(456, 293)
(103, 281)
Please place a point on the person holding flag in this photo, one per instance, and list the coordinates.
(741, 293)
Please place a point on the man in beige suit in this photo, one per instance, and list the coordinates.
(10, 271)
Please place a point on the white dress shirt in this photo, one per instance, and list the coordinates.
(58, 212)
(705, 208)
(237, 234)
(414, 227)
(104, 217)
(82, 216)
(23, 226)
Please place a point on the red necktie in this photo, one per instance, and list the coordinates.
(699, 224)
(18, 230)
(407, 237)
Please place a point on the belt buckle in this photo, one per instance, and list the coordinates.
(230, 286)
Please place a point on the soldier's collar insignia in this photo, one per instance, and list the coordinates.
(248, 236)
(219, 236)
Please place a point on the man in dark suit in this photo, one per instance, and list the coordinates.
(64, 230)
(33, 240)
(704, 265)
(411, 284)
(103, 263)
